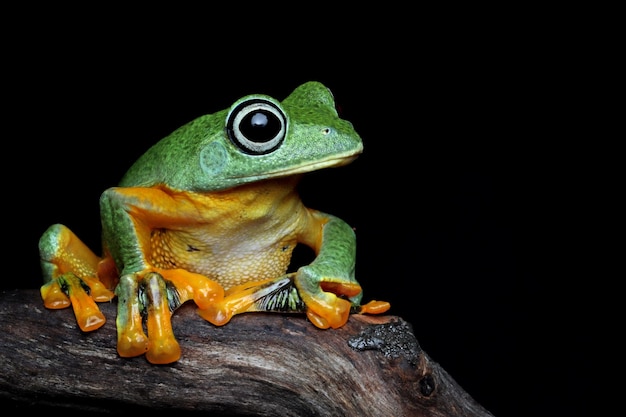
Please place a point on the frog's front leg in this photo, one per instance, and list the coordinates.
(327, 286)
(148, 294)
(146, 297)
(151, 297)
(72, 276)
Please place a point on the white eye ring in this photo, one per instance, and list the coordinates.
(257, 126)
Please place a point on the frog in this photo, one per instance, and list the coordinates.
(211, 214)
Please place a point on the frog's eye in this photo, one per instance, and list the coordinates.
(257, 126)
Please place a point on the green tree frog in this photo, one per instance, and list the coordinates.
(211, 214)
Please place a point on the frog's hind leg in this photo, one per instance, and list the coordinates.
(70, 272)
(282, 295)
(272, 295)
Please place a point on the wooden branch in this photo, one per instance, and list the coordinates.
(257, 365)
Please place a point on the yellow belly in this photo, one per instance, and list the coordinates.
(242, 235)
(227, 260)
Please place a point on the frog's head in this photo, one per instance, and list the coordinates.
(257, 138)
(268, 139)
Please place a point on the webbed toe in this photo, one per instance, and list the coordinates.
(68, 289)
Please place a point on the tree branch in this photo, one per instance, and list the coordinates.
(258, 364)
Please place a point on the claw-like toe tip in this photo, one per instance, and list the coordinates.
(131, 344)
(52, 296)
(375, 307)
(91, 321)
(101, 294)
(328, 313)
(318, 321)
(163, 351)
(215, 315)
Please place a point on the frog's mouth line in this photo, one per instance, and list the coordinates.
(304, 168)
(314, 166)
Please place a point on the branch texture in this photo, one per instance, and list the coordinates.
(257, 365)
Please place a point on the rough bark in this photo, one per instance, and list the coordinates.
(257, 365)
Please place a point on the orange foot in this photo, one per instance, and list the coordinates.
(68, 289)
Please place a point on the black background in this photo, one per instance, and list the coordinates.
(457, 200)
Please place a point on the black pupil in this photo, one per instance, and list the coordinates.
(260, 126)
